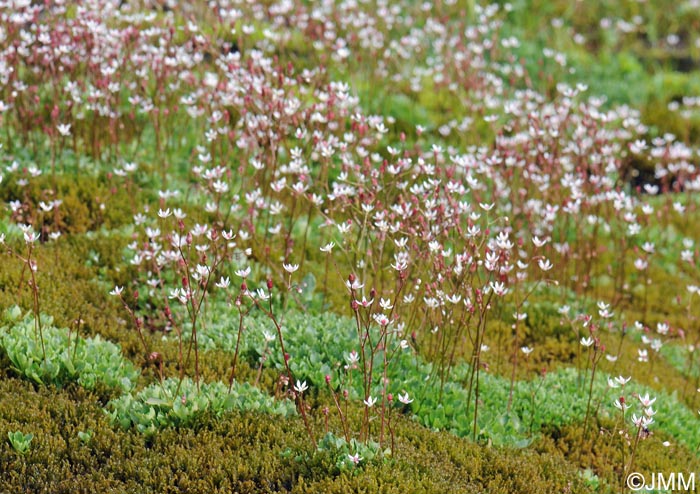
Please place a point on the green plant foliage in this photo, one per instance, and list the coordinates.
(20, 442)
(342, 455)
(317, 342)
(69, 358)
(175, 404)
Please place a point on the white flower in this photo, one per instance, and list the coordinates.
(545, 264)
(117, 290)
(622, 380)
(646, 401)
(526, 350)
(290, 268)
(370, 401)
(356, 458)
(620, 405)
(63, 129)
(662, 328)
(300, 387)
(587, 341)
(353, 358)
(328, 247)
(223, 282)
(499, 288)
(538, 242)
(381, 319)
(642, 421)
(640, 264)
(403, 398)
(30, 237)
(243, 273)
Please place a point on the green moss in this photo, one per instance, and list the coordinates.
(86, 203)
(239, 453)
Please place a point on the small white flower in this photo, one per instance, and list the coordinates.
(243, 273)
(223, 282)
(403, 398)
(356, 458)
(300, 387)
(353, 358)
(30, 237)
(538, 242)
(499, 288)
(63, 129)
(381, 319)
(662, 328)
(328, 247)
(117, 290)
(290, 268)
(370, 401)
(526, 350)
(545, 264)
(646, 401)
(620, 405)
(622, 380)
(588, 341)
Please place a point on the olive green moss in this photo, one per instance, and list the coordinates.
(602, 452)
(239, 453)
(87, 202)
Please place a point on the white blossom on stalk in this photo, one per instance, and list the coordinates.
(290, 268)
(403, 398)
